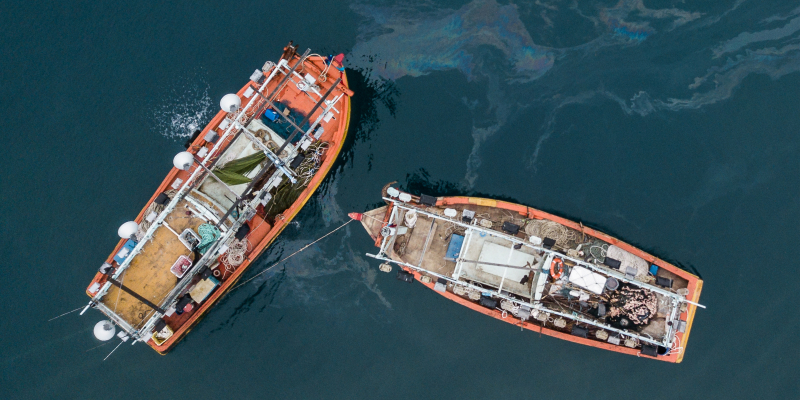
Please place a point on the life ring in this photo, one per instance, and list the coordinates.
(556, 268)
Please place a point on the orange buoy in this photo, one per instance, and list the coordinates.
(556, 268)
(356, 216)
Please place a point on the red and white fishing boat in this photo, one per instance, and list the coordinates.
(538, 271)
(240, 182)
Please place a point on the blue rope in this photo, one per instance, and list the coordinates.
(208, 235)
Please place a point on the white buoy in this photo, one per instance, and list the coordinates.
(104, 330)
(230, 102)
(183, 160)
(127, 229)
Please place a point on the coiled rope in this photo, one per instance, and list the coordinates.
(598, 252)
(308, 168)
(549, 229)
(235, 254)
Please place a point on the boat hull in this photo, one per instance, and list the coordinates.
(262, 234)
(262, 246)
(695, 284)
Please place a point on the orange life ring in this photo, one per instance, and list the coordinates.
(556, 268)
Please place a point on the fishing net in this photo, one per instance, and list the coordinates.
(628, 260)
(632, 304)
(283, 198)
(233, 173)
(549, 229)
(287, 193)
(208, 235)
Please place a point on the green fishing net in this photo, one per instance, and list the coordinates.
(233, 173)
(208, 235)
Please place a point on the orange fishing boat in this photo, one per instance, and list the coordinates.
(538, 271)
(240, 182)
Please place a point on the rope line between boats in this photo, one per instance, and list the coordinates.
(291, 255)
(68, 312)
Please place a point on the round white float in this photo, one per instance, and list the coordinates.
(104, 330)
(230, 102)
(183, 160)
(127, 229)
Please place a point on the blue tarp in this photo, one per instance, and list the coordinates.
(124, 251)
(271, 115)
(454, 248)
(280, 126)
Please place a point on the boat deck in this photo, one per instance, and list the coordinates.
(149, 272)
(314, 93)
(495, 276)
(494, 262)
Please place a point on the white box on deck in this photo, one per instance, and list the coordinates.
(497, 254)
(587, 279)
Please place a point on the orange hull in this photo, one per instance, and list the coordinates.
(695, 283)
(262, 234)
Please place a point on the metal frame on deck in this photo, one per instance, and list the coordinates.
(536, 304)
(274, 158)
(517, 240)
(233, 128)
(537, 307)
(212, 252)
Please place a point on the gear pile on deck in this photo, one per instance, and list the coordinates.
(538, 271)
(240, 182)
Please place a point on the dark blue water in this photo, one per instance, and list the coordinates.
(673, 125)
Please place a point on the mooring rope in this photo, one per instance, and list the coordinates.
(68, 312)
(235, 287)
(291, 255)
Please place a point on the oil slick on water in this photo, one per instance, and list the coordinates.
(413, 40)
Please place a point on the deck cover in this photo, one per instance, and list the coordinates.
(497, 254)
(587, 279)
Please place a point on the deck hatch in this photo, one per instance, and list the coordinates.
(612, 263)
(588, 280)
(580, 331)
(650, 350)
(427, 200)
(454, 247)
(510, 228)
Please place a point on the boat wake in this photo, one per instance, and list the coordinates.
(186, 108)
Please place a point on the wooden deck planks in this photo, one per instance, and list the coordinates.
(434, 256)
(149, 273)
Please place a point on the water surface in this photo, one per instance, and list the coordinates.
(672, 125)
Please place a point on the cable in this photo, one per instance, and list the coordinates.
(291, 255)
